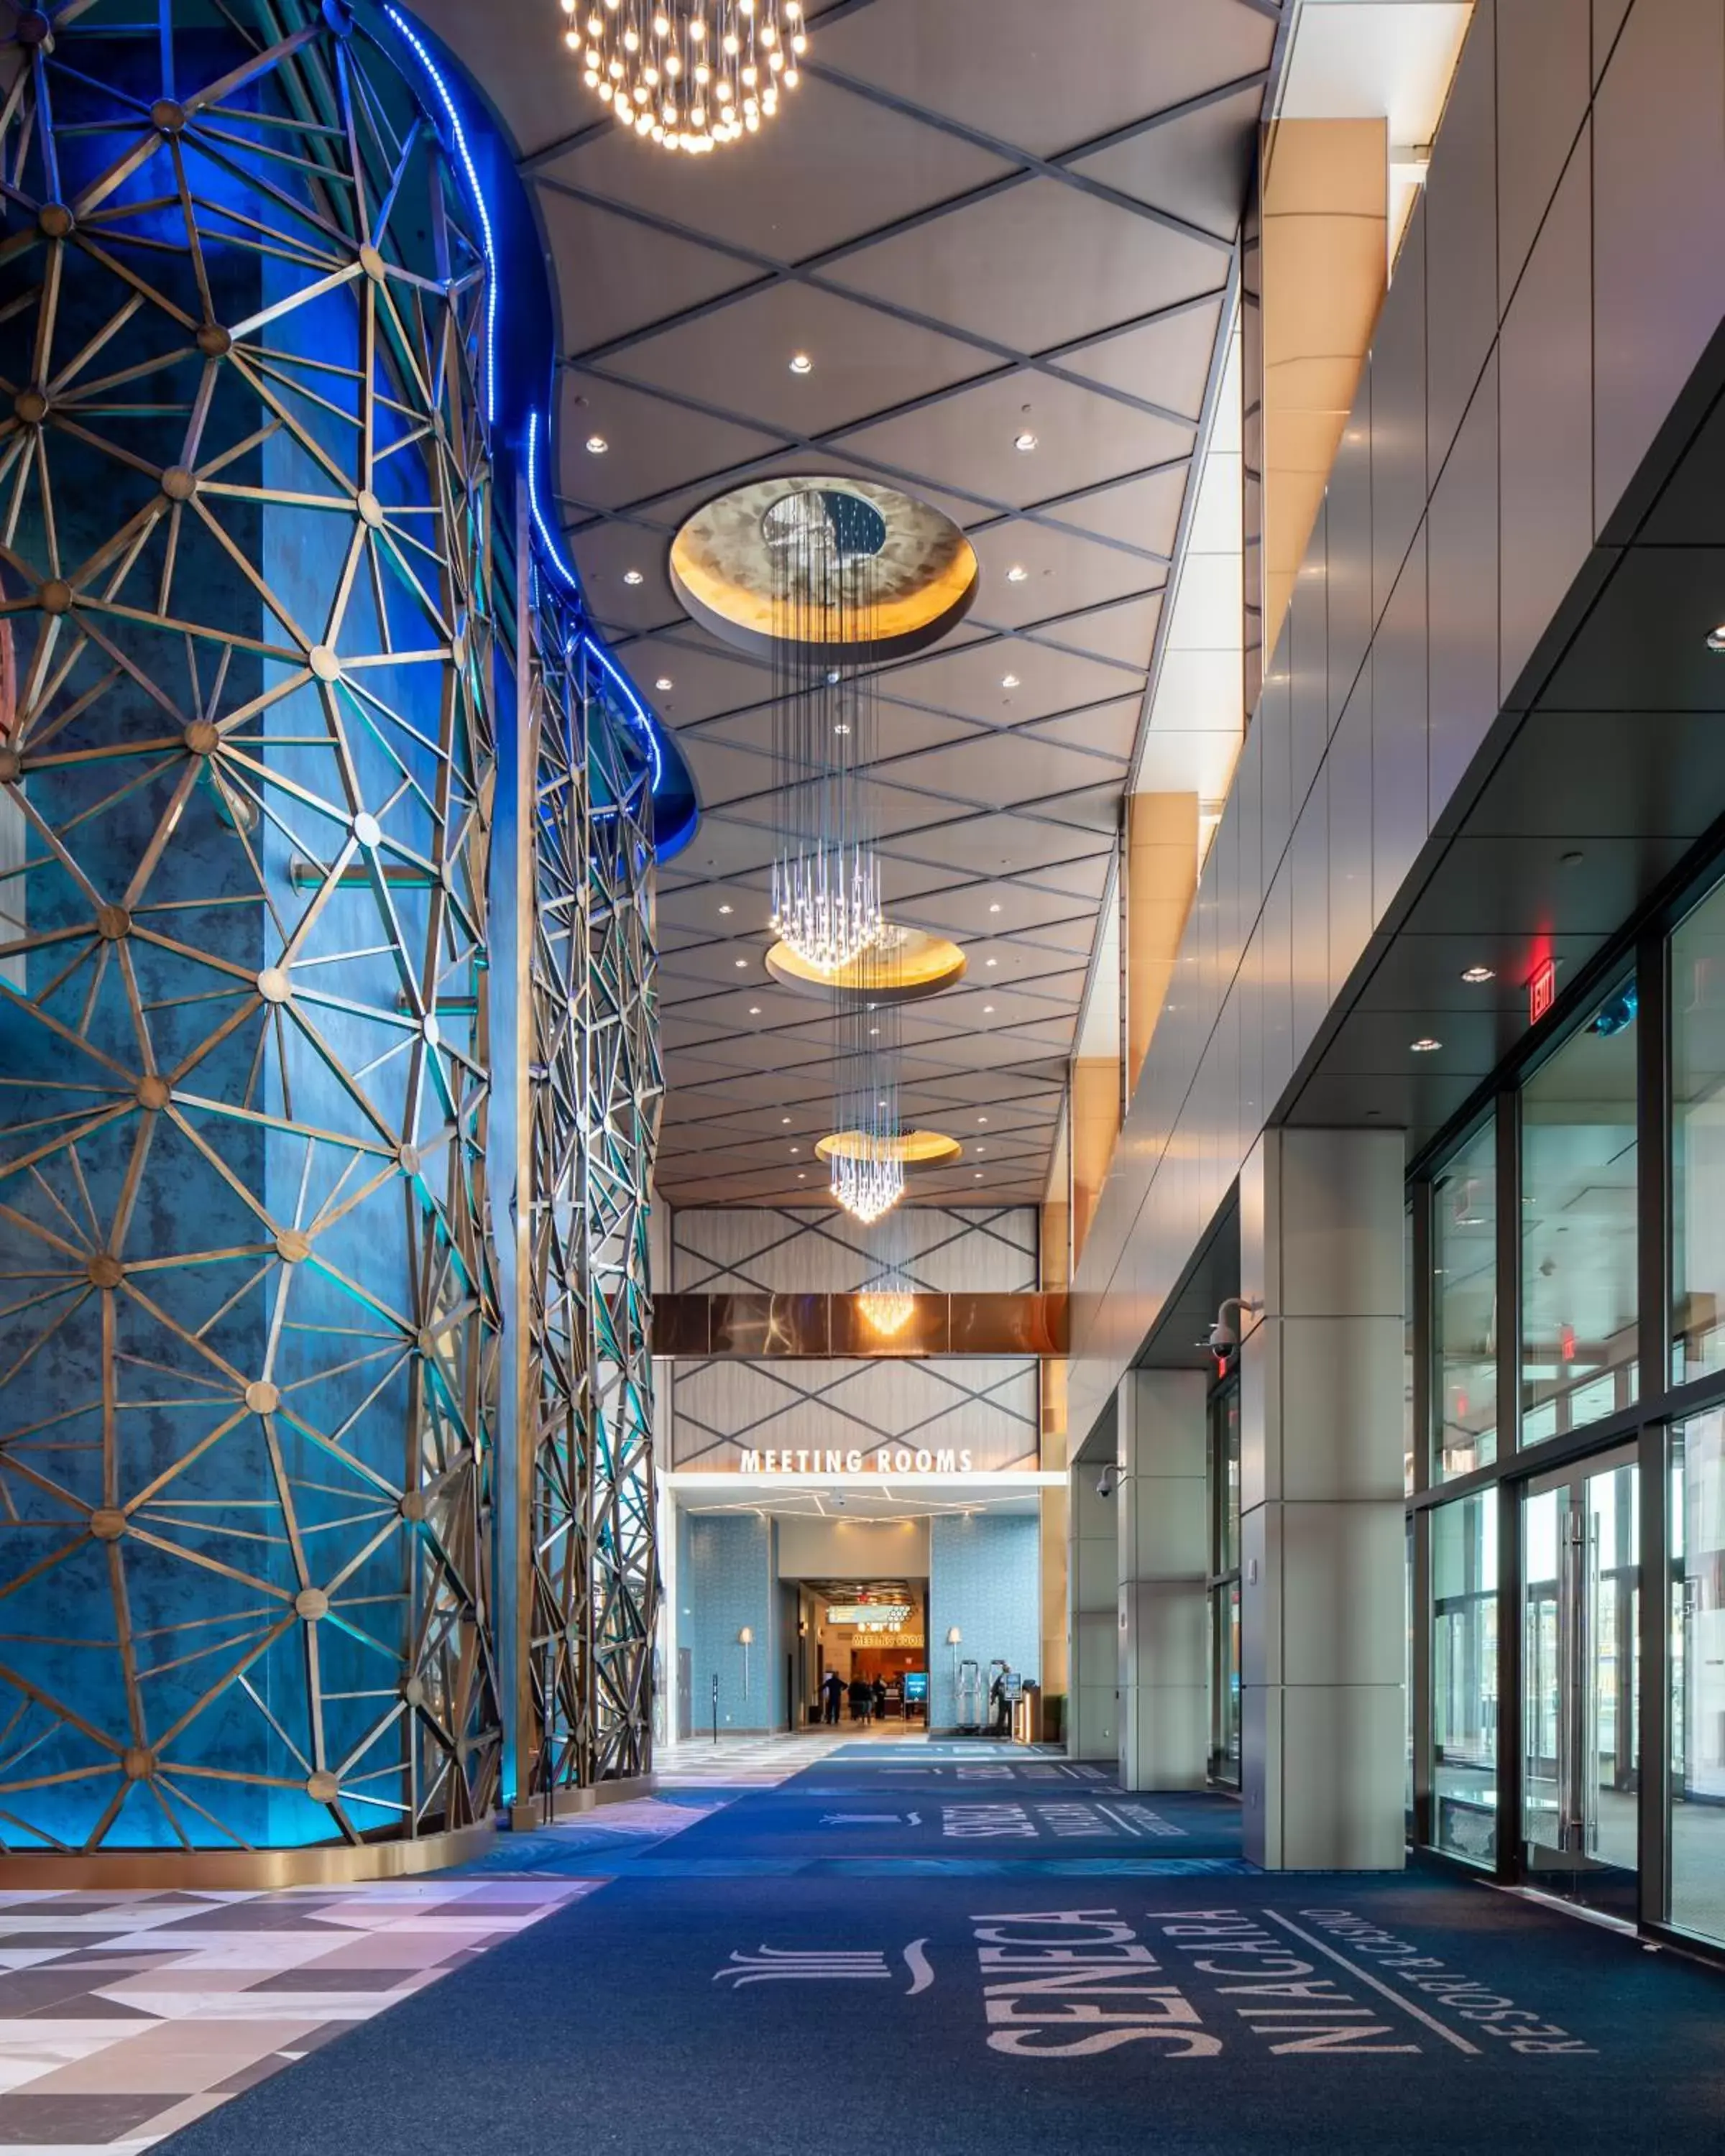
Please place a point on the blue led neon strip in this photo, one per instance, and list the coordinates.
(484, 215)
(645, 722)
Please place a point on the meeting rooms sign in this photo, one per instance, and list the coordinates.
(877, 1460)
(1058, 1986)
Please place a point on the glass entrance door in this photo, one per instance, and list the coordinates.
(1581, 1629)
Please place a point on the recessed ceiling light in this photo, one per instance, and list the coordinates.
(841, 726)
(979, 1175)
(1016, 574)
(664, 682)
(1025, 442)
(739, 963)
(1008, 680)
(995, 907)
(596, 445)
(801, 363)
(1716, 637)
(982, 1119)
(802, 1175)
(982, 1149)
(988, 1010)
(632, 576)
(1475, 974)
(796, 1148)
(993, 962)
(873, 1030)
(724, 909)
(1425, 1045)
(754, 1010)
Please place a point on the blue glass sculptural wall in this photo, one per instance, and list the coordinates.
(256, 711)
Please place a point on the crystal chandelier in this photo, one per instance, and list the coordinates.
(888, 1310)
(868, 1165)
(868, 1182)
(824, 546)
(690, 74)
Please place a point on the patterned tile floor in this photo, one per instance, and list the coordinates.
(125, 2016)
(763, 1762)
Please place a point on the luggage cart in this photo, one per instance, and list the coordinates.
(972, 1698)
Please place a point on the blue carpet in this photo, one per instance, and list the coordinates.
(1020, 2014)
(1014, 1772)
(992, 1819)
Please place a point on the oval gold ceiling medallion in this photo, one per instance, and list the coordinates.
(722, 565)
(905, 966)
(912, 1148)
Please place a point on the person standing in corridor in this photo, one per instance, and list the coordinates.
(832, 1691)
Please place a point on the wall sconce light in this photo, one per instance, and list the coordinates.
(746, 1639)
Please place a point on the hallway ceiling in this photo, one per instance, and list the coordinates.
(860, 1499)
(981, 219)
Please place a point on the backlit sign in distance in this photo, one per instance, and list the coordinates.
(884, 1616)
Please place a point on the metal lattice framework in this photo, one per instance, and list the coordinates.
(249, 1325)
(596, 1100)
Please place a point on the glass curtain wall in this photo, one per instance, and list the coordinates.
(1463, 1677)
(1224, 1585)
(1463, 1308)
(1578, 1197)
(1567, 1601)
(1698, 1142)
(1697, 1536)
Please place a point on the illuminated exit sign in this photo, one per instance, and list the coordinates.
(1541, 990)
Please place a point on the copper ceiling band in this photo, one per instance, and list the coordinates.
(766, 1327)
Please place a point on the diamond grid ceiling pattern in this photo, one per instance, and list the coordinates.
(980, 218)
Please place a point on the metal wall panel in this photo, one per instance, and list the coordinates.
(1461, 240)
(1398, 365)
(1347, 771)
(1461, 587)
(1659, 207)
(1309, 858)
(1308, 641)
(1399, 741)
(1348, 552)
(1546, 448)
(1544, 71)
(1172, 1163)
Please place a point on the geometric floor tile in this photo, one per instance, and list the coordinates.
(125, 2016)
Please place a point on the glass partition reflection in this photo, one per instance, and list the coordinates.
(1464, 1309)
(1698, 1141)
(1578, 1304)
(1698, 1709)
(1463, 1677)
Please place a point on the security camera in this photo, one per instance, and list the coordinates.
(1106, 1482)
(1224, 1336)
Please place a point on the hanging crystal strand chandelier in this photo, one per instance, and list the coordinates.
(824, 546)
(888, 1300)
(867, 1168)
(689, 74)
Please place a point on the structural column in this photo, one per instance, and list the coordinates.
(1163, 1552)
(1322, 1534)
(1092, 1588)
